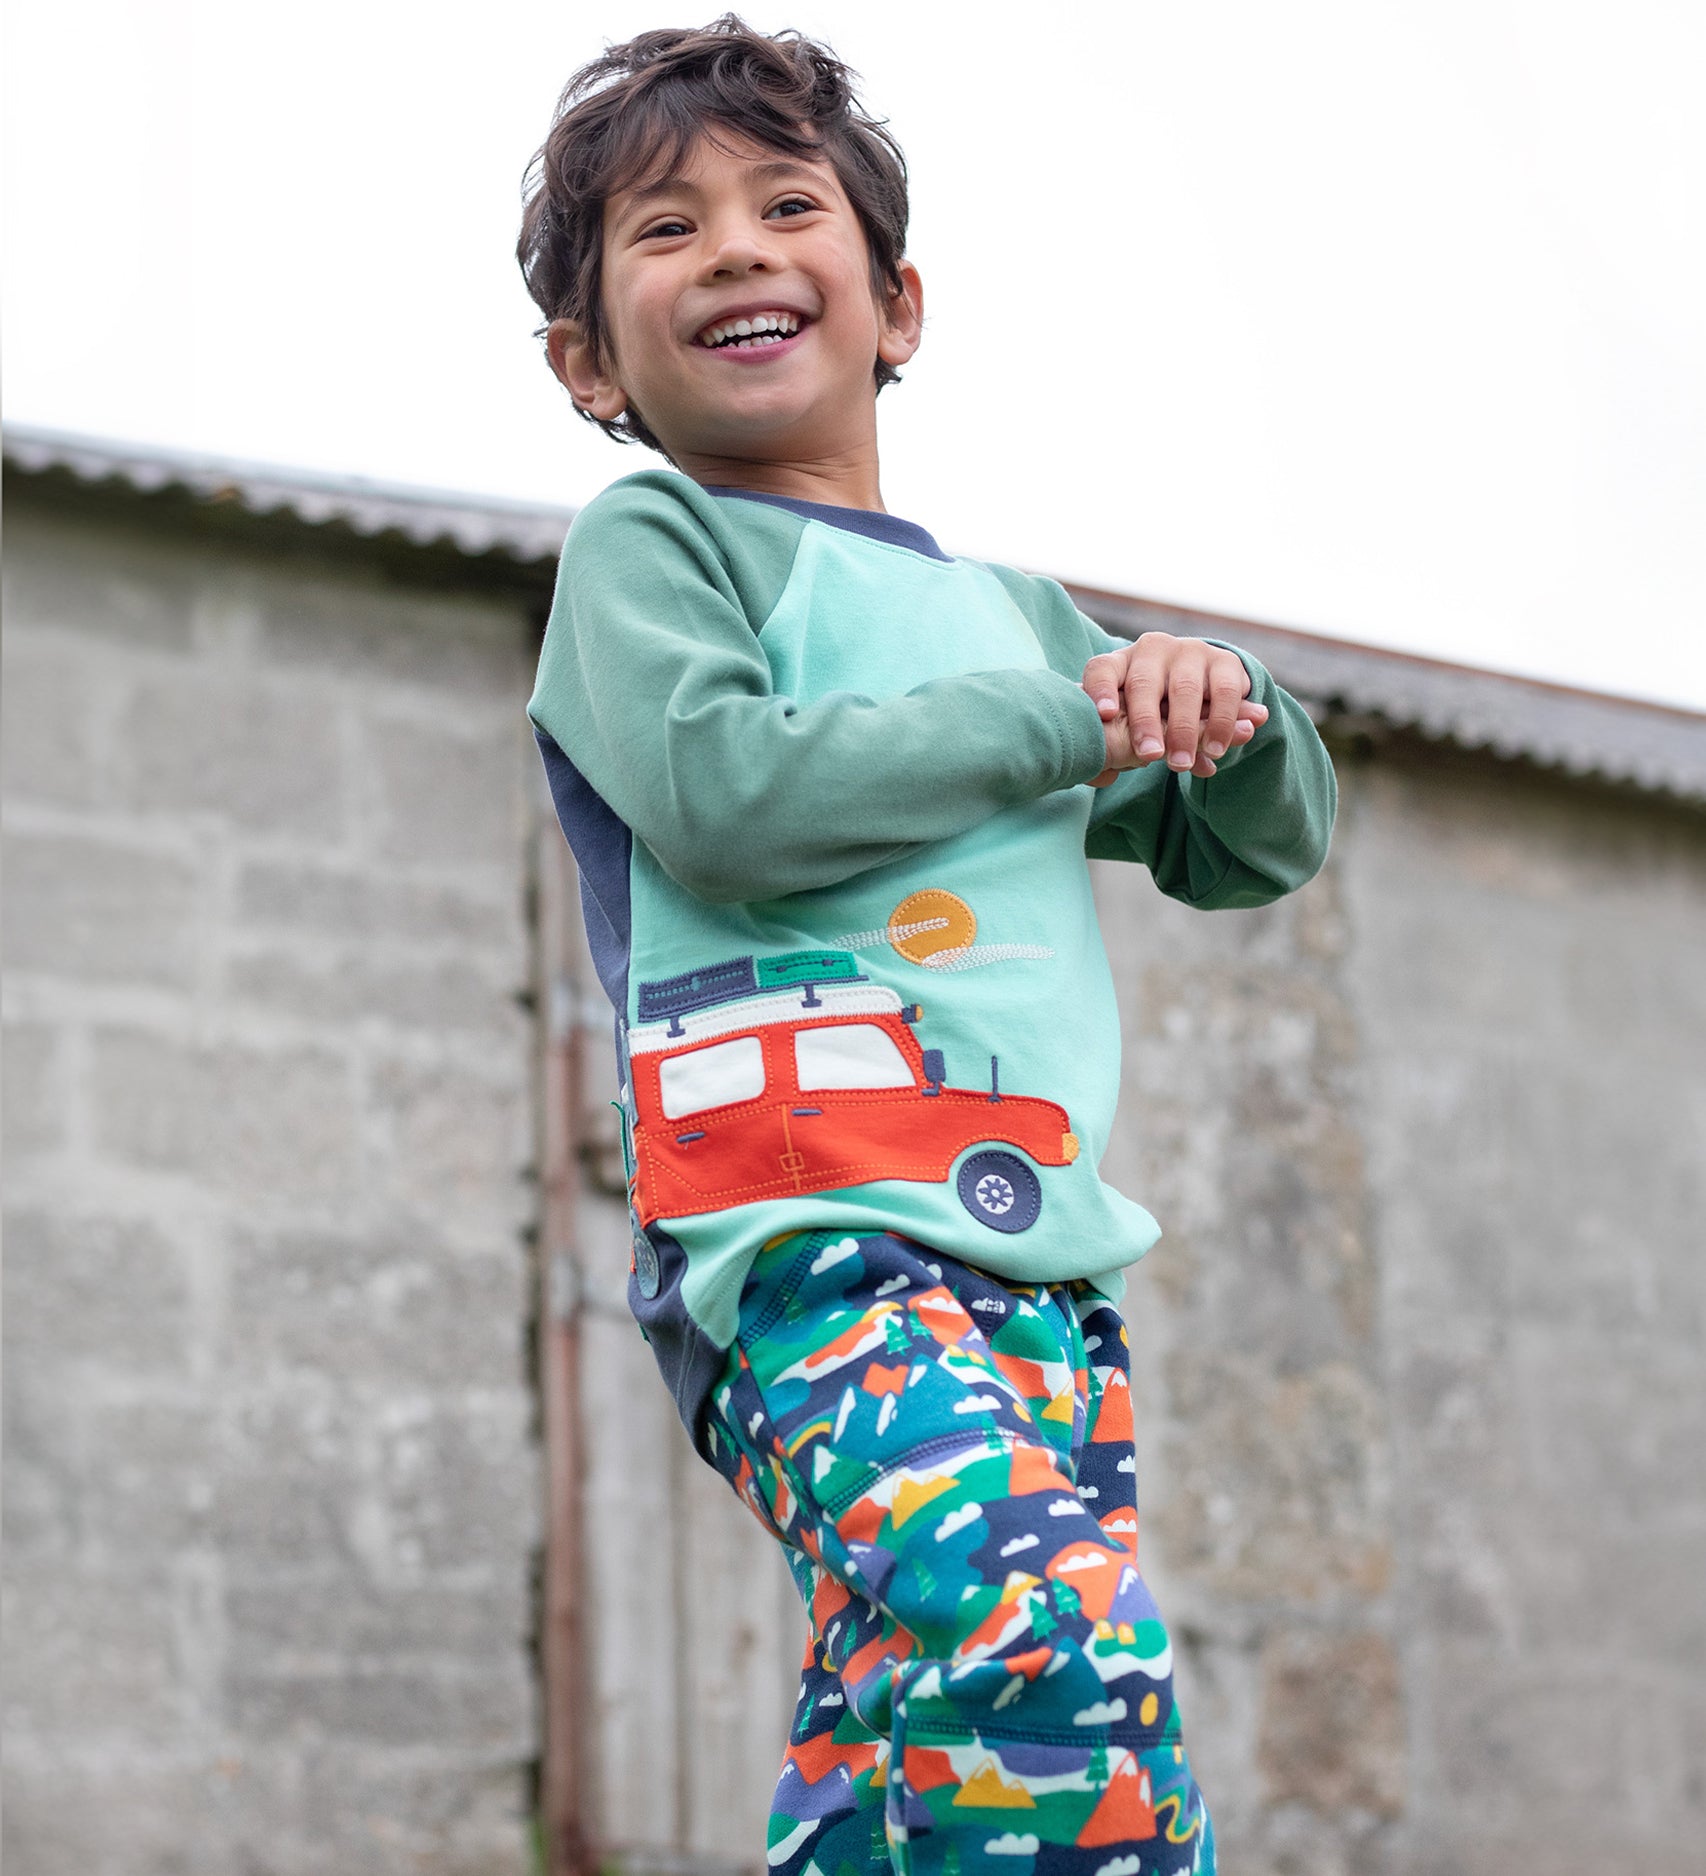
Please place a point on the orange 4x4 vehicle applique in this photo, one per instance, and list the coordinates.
(762, 1078)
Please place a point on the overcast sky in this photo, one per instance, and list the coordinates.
(1383, 320)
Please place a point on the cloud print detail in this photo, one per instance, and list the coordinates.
(1103, 1713)
(1010, 1843)
(833, 1254)
(958, 1520)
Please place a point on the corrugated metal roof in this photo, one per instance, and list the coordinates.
(1581, 732)
(522, 531)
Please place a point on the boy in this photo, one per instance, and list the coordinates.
(831, 792)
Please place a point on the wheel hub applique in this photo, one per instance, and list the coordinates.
(1000, 1190)
(994, 1194)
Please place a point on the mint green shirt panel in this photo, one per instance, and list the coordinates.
(652, 682)
(901, 620)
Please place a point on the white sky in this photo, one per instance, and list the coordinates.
(1376, 319)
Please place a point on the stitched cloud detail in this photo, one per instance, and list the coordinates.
(974, 957)
(887, 934)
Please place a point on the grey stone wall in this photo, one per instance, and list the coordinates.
(272, 1484)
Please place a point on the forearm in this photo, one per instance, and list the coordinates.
(750, 797)
(653, 683)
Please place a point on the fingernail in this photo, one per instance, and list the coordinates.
(1216, 750)
(1180, 759)
(1107, 707)
(1151, 746)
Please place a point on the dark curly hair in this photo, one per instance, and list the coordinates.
(638, 108)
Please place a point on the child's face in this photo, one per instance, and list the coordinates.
(738, 232)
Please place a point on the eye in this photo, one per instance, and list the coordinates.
(668, 228)
(792, 205)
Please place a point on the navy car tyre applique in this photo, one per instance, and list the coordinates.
(648, 1275)
(1001, 1191)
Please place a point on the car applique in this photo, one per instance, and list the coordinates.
(764, 1078)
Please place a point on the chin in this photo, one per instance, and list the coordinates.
(756, 433)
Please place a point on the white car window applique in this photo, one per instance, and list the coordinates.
(712, 1076)
(850, 1055)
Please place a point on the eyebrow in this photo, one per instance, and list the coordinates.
(777, 170)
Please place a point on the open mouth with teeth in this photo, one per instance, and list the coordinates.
(749, 334)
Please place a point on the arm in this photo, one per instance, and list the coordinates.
(653, 682)
(1256, 829)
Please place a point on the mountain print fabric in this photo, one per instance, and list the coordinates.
(948, 1459)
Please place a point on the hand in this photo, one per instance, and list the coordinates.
(1175, 697)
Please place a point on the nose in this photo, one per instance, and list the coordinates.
(740, 248)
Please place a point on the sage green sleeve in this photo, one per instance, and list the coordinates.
(1256, 829)
(652, 682)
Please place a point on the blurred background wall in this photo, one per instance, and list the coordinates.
(313, 1311)
(272, 1490)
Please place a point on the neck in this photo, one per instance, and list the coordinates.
(844, 481)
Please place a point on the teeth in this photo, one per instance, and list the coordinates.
(761, 328)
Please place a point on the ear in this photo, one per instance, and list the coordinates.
(586, 379)
(902, 319)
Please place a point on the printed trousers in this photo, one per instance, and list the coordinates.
(948, 1460)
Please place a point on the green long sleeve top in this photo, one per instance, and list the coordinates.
(826, 788)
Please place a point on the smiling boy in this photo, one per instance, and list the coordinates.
(831, 792)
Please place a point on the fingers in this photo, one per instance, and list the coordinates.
(1116, 743)
(1182, 699)
(1186, 692)
(1145, 688)
(1227, 681)
(1102, 678)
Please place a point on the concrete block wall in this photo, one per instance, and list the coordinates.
(1526, 970)
(272, 1499)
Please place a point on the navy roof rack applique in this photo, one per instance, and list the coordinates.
(733, 978)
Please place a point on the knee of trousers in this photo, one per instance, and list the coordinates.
(1087, 1680)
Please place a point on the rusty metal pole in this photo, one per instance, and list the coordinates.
(563, 1781)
